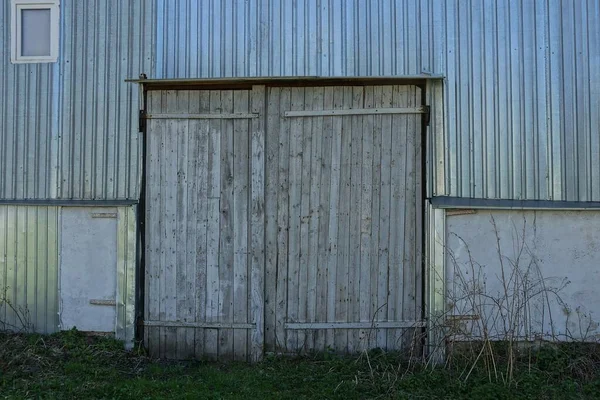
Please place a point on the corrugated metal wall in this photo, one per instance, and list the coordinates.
(522, 98)
(26, 134)
(68, 129)
(29, 268)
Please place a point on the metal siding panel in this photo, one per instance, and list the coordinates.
(25, 122)
(29, 268)
(520, 104)
(67, 128)
(103, 43)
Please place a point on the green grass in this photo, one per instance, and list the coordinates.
(73, 365)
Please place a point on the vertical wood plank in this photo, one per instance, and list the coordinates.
(343, 265)
(194, 229)
(397, 216)
(181, 278)
(384, 215)
(334, 202)
(153, 224)
(316, 166)
(213, 226)
(354, 201)
(169, 187)
(283, 218)
(226, 256)
(419, 175)
(240, 222)
(325, 126)
(366, 219)
(270, 209)
(257, 220)
(162, 271)
(411, 226)
(295, 203)
(304, 290)
(375, 314)
(202, 130)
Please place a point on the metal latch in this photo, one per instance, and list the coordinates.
(142, 121)
(426, 115)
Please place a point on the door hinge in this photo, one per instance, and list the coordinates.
(142, 121)
(426, 115)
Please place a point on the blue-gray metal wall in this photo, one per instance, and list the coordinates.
(522, 88)
(68, 130)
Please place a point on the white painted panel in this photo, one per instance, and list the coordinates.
(88, 268)
(548, 257)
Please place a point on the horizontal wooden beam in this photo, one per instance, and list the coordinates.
(355, 325)
(202, 116)
(206, 325)
(356, 111)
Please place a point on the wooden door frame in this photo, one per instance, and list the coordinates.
(258, 86)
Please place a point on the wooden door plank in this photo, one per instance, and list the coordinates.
(192, 227)
(418, 311)
(240, 220)
(153, 226)
(397, 217)
(283, 219)
(295, 199)
(213, 227)
(226, 256)
(334, 202)
(169, 187)
(270, 209)
(316, 166)
(326, 124)
(201, 131)
(384, 215)
(354, 201)
(366, 218)
(304, 290)
(257, 220)
(343, 265)
(410, 239)
(181, 222)
(375, 315)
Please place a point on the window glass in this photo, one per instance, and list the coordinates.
(35, 32)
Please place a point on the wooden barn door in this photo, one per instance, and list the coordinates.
(343, 218)
(204, 255)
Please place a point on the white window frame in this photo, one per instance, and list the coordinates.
(16, 7)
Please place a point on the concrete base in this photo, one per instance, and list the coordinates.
(529, 274)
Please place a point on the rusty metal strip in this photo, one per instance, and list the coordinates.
(100, 302)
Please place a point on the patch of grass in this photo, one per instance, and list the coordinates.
(74, 365)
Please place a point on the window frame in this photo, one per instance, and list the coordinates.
(16, 7)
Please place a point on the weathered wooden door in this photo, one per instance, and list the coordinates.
(204, 224)
(306, 239)
(343, 218)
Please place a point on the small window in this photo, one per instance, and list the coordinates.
(34, 31)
